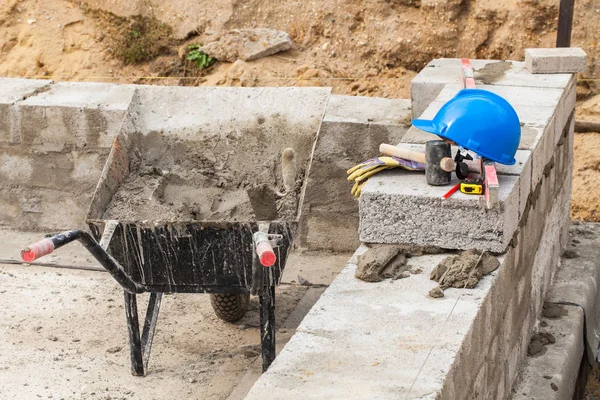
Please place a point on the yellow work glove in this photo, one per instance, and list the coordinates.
(361, 172)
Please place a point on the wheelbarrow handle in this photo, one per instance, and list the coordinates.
(264, 249)
(48, 245)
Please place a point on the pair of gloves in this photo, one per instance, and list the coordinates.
(363, 171)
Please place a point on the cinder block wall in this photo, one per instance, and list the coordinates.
(351, 131)
(54, 148)
(489, 359)
(55, 138)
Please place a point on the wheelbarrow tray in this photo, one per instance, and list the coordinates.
(192, 257)
(203, 256)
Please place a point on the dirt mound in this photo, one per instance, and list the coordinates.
(358, 47)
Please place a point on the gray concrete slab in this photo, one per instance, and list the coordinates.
(361, 109)
(552, 373)
(367, 340)
(170, 111)
(73, 116)
(15, 89)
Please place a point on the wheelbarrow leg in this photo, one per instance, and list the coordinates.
(267, 325)
(135, 343)
(140, 346)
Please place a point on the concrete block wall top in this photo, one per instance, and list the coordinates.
(555, 60)
(171, 110)
(385, 340)
(431, 80)
(84, 95)
(368, 109)
(400, 207)
(15, 89)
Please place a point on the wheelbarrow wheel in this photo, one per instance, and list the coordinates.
(230, 307)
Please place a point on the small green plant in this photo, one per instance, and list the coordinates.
(198, 57)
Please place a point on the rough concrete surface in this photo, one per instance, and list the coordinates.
(420, 216)
(374, 340)
(576, 281)
(426, 86)
(551, 374)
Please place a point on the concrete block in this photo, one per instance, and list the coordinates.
(530, 136)
(399, 207)
(555, 60)
(73, 116)
(565, 108)
(525, 185)
(16, 89)
(360, 109)
(428, 83)
(517, 96)
(543, 153)
(11, 91)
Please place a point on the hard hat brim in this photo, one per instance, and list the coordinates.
(429, 126)
(440, 129)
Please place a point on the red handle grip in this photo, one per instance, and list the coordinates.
(266, 254)
(37, 250)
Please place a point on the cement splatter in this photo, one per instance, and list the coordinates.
(388, 261)
(538, 343)
(492, 72)
(463, 271)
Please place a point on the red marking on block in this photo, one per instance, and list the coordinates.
(37, 250)
(467, 72)
(491, 178)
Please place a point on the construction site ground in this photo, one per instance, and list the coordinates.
(63, 331)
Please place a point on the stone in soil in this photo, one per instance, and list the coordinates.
(247, 44)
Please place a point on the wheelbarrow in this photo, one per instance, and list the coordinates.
(229, 258)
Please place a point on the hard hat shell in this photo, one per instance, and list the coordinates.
(480, 121)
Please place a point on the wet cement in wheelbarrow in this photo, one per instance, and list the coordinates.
(172, 179)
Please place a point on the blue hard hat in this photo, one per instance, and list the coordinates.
(480, 121)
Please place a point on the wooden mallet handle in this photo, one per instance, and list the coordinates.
(400, 152)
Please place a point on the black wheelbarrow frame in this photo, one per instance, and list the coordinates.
(187, 278)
